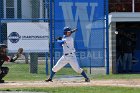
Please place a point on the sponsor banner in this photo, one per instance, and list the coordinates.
(32, 37)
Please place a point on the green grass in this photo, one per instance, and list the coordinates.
(20, 72)
(79, 90)
(117, 76)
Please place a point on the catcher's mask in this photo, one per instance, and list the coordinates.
(67, 29)
(3, 50)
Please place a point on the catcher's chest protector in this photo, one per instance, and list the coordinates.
(2, 59)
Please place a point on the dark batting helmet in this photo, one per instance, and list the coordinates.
(67, 29)
(3, 46)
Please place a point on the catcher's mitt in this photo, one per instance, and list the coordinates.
(20, 51)
(18, 54)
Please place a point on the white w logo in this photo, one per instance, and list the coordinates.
(81, 15)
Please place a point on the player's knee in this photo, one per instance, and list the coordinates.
(6, 70)
(79, 70)
(54, 70)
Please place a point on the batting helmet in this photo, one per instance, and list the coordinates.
(67, 29)
(3, 46)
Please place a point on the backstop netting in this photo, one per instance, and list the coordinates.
(34, 25)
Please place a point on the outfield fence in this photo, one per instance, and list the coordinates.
(34, 25)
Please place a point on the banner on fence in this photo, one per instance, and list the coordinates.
(32, 37)
(89, 17)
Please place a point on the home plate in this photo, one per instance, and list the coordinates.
(70, 78)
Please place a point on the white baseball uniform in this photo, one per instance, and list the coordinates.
(68, 56)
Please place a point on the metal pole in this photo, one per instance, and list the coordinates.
(0, 19)
(133, 6)
(107, 40)
(44, 15)
(47, 63)
(0, 31)
(51, 36)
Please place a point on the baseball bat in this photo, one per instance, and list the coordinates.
(74, 30)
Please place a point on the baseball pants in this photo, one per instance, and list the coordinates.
(65, 59)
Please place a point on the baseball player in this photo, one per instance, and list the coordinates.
(3, 57)
(69, 55)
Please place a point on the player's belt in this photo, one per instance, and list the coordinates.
(67, 54)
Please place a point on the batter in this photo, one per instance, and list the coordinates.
(68, 56)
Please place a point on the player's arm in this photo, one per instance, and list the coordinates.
(20, 51)
(60, 40)
(74, 30)
(13, 59)
(8, 59)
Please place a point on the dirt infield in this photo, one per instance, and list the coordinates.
(62, 83)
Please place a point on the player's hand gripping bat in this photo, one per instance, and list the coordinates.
(73, 30)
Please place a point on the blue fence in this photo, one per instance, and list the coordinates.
(91, 39)
(91, 19)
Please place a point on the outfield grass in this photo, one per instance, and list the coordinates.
(79, 90)
(20, 72)
(117, 76)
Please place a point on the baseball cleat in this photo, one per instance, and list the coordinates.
(49, 80)
(87, 80)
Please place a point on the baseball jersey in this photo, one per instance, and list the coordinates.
(3, 58)
(67, 44)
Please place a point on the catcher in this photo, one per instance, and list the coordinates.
(3, 57)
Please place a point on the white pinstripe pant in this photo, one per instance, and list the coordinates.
(65, 59)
